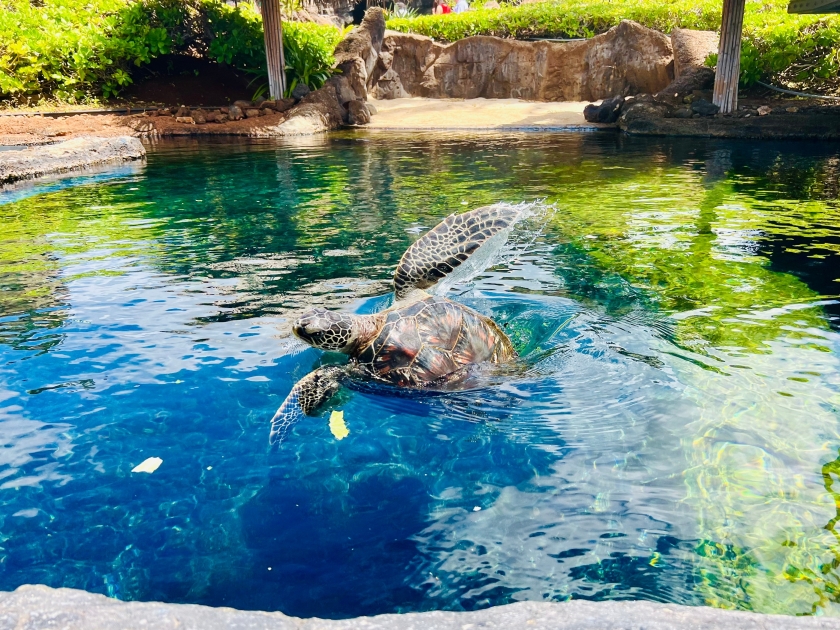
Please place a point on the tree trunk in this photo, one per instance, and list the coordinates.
(729, 57)
(273, 29)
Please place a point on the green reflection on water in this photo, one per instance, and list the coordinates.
(690, 232)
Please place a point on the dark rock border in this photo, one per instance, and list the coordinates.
(651, 116)
(71, 155)
(40, 607)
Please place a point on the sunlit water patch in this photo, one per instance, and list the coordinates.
(670, 431)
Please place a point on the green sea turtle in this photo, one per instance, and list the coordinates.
(423, 340)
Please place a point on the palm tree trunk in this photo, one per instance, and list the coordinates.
(273, 30)
(728, 69)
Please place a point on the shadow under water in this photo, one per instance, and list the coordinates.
(670, 432)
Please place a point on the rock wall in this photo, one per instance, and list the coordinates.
(627, 59)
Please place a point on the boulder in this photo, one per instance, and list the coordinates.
(641, 110)
(357, 54)
(691, 80)
(627, 59)
(317, 112)
(280, 105)
(343, 91)
(199, 116)
(182, 112)
(235, 112)
(252, 113)
(607, 112)
(301, 90)
(243, 105)
(690, 70)
(691, 48)
(704, 108)
(357, 113)
(682, 112)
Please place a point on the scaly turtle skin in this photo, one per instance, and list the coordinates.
(422, 340)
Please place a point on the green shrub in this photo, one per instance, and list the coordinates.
(309, 54)
(72, 49)
(803, 50)
(564, 18)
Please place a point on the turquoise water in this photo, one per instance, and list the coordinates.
(671, 433)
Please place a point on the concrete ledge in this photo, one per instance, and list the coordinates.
(75, 154)
(41, 607)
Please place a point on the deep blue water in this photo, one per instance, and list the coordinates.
(667, 435)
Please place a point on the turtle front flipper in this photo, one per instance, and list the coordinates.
(312, 391)
(447, 245)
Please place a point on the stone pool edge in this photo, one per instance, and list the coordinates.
(38, 607)
(76, 154)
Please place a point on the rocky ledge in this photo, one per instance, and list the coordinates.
(764, 122)
(71, 155)
(41, 607)
(694, 115)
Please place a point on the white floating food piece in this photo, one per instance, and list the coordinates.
(148, 466)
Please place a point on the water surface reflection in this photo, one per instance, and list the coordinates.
(673, 437)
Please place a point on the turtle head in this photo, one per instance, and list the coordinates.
(328, 330)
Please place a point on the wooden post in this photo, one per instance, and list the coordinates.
(273, 30)
(729, 57)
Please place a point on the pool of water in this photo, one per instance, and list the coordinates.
(671, 435)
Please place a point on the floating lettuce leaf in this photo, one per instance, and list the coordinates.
(337, 426)
(150, 465)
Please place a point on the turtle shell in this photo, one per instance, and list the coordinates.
(431, 339)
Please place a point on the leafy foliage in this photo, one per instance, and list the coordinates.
(309, 54)
(800, 49)
(72, 49)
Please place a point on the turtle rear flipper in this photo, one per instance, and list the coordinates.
(447, 245)
(309, 393)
